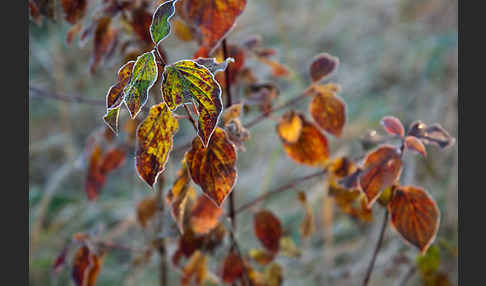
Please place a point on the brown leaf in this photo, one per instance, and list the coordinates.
(86, 267)
(74, 10)
(322, 66)
(213, 19)
(146, 209)
(94, 179)
(311, 148)
(141, 21)
(307, 224)
(112, 159)
(412, 143)
(262, 94)
(104, 40)
(204, 215)
(231, 113)
(268, 230)
(289, 127)
(328, 110)
(232, 268)
(278, 69)
(393, 126)
(433, 134)
(195, 270)
(382, 168)
(179, 194)
(213, 168)
(415, 215)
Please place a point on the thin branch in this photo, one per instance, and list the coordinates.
(38, 92)
(377, 249)
(279, 190)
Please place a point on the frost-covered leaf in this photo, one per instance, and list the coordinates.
(144, 75)
(415, 215)
(328, 110)
(413, 143)
(212, 65)
(213, 168)
(178, 196)
(160, 27)
(433, 134)
(154, 142)
(393, 126)
(289, 127)
(322, 66)
(187, 79)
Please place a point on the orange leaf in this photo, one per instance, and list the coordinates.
(204, 215)
(289, 127)
(94, 179)
(86, 267)
(382, 169)
(177, 196)
(412, 143)
(74, 10)
(393, 126)
(146, 210)
(415, 215)
(232, 268)
(213, 168)
(262, 257)
(112, 160)
(104, 40)
(311, 148)
(195, 269)
(268, 230)
(322, 66)
(213, 18)
(328, 110)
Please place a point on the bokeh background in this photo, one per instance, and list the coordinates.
(397, 57)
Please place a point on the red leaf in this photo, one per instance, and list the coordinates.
(412, 143)
(322, 66)
(268, 230)
(415, 215)
(232, 268)
(86, 267)
(393, 126)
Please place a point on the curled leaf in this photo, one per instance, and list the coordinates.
(328, 110)
(412, 143)
(185, 79)
(322, 66)
(289, 127)
(268, 230)
(213, 168)
(393, 126)
(195, 270)
(160, 27)
(86, 267)
(382, 169)
(144, 75)
(213, 19)
(433, 134)
(204, 215)
(154, 142)
(415, 215)
(74, 10)
(212, 65)
(311, 147)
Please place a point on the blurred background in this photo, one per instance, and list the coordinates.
(397, 57)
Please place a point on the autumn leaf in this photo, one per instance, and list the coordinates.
(231, 113)
(307, 224)
(104, 41)
(34, 12)
(328, 110)
(238, 56)
(273, 275)
(213, 19)
(178, 196)
(232, 268)
(204, 215)
(74, 10)
(212, 65)
(195, 270)
(311, 147)
(413, 143)
(146, 209)
(185, 79)
(213, 168)
(86, 267)
(262, 257)
(160, 27)
(140, 22)
(72, 32)
(288, 247)
(183, 31)
(393, 126)
(154, 142)
(268, 230)
(289, 127)
(415, 215)
(144, 75)
(322, 66)
(60, 260)
(433, 134)
(382, 168)
(94, 179)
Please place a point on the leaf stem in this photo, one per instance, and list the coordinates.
(377, 249)
(279, 190)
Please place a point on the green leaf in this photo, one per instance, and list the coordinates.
(160, 27)
(187, 79)
(111, 118)
(144, 75)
